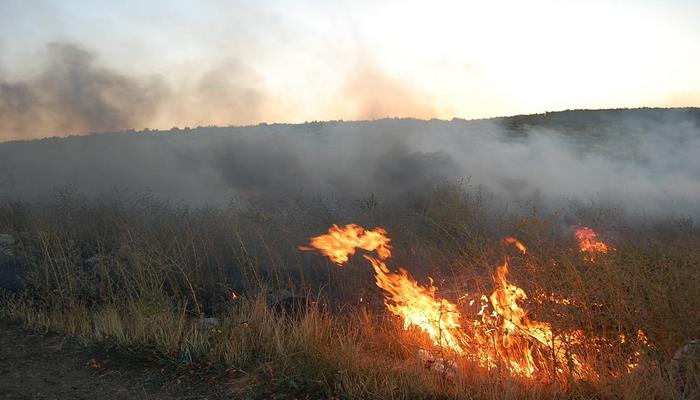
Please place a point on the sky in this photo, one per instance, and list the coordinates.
(71, 67)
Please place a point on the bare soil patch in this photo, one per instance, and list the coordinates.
(50, 366)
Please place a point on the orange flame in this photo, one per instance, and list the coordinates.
(588, 241)
(516, 243)
(519, 333)
(405, 297)
(524, 345)
(340, 243)
(418, 306)
(504, 336)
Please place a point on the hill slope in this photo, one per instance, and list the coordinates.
(643, 158)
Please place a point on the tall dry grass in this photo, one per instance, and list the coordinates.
(133, 272)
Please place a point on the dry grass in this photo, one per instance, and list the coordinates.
(134, 272)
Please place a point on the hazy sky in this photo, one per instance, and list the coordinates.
(171, 63)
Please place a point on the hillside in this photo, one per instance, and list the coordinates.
(644, 154)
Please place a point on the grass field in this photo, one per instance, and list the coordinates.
(136, 272)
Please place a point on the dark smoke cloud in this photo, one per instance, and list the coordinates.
(257, 166)
(72, 95)
(638, 160)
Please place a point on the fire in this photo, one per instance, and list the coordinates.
(405, 297)
(633, 362)
(518, 332)
(500, 334)
(588, 241)
(419, 307)
(515, 242)
(340, 243)
(523, 345)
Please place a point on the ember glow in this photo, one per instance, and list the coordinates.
(515, 242)
(500, 335)
(588, 241)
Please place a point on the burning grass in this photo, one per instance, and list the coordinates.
(470, 315)
(500, 335)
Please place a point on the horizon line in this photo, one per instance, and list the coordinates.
(307, 122)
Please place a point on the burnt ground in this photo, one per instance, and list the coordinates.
(50, 366)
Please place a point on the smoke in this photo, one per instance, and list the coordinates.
(642, 160)
(371, 94)
(636, 160)
(228, 93)
(72, 95)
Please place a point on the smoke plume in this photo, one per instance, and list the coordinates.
(641, 160)
(72, 95)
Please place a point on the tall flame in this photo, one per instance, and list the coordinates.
(419, 307)
(405, 297)
(519, 333)
(505, 336)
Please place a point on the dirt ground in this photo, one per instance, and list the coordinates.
(50, 366)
